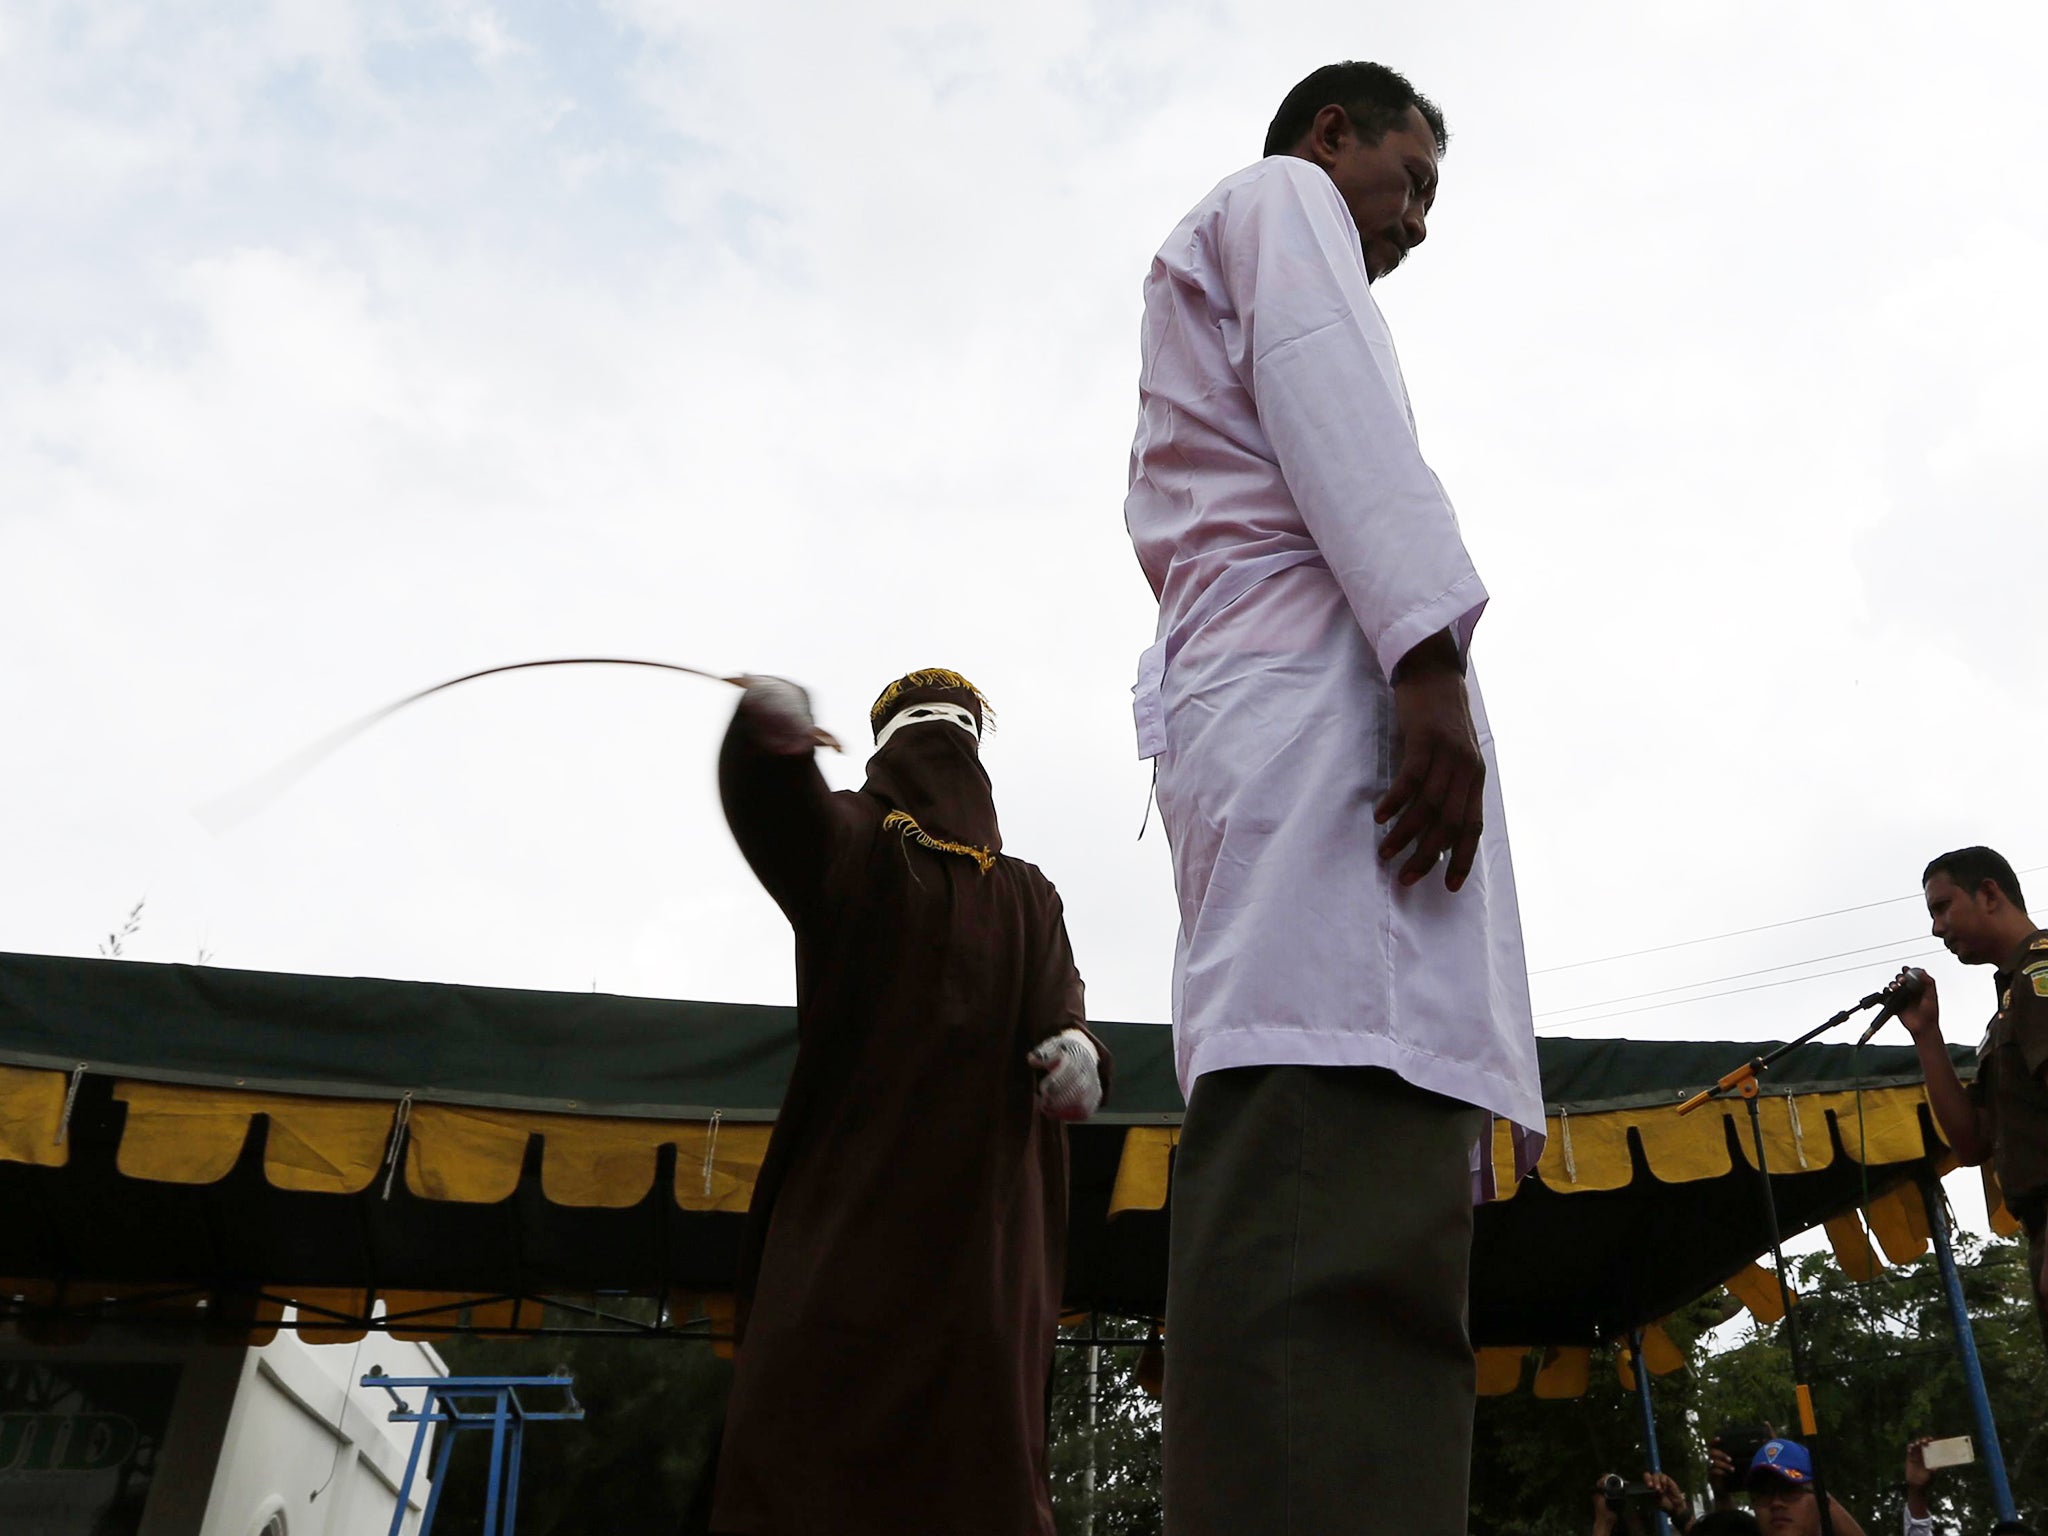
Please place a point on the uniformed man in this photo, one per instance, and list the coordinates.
(1974, 900)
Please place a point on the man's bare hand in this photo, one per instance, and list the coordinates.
(1437, 800)
(1918, 1475)
(1604, 1521)
(1721, 1475)
(1670, 1498)
(1923, 1015)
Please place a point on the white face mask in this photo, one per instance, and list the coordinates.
(927, 714)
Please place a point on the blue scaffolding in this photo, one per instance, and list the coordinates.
(473, 1403)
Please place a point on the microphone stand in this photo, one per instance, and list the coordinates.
(1743, 1081)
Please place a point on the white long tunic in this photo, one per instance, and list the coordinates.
(1299, 547)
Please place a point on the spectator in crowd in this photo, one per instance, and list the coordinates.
(1725, 1522)
(1612, 1516)
(1919, 1477)
(1780, 1484)
(1615, 1512)
(1920, 1513)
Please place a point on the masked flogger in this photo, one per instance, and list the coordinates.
(900, 1272)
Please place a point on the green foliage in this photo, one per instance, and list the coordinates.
(1124, 1440)
(1886, 1371)
(115, 945)
(640, 1460)
(1535, 1460)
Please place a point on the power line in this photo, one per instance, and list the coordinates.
(1736, 933)
(1761, 986)
(1733, 933)
(1715, 981)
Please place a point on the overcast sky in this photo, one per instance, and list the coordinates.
(350, 347)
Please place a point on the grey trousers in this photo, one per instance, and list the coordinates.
(1319, 1375)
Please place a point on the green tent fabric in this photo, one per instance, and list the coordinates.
(585, 1052)
(577, 1052)
(1548, 1267)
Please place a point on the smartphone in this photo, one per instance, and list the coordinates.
(1955, 1452)
(1742, 1442)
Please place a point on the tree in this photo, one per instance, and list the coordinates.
(642, 1458)
(1887, 1369)
(1535, 1460)
(1105, 1473)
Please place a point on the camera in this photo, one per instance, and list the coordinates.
(1619, 1493)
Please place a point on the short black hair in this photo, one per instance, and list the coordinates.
(1375, 98)
(1971, 867)
(1726, 1522)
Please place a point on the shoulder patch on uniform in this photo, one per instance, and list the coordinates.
(2041, 984)
(2040, 943)
(2032, 966)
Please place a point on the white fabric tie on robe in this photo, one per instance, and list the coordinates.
(1299, 547)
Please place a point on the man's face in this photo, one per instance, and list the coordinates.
(1962, 920)
(1784, 1508)
(1388, 186)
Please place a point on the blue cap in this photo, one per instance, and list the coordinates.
(1786, 1459)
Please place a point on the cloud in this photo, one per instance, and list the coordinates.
(351, 347)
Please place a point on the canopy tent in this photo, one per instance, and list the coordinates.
(216, 1144)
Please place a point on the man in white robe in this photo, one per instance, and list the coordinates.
(1345, 1016)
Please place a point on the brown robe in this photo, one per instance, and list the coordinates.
(900, 1277)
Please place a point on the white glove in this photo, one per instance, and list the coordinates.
(782, 712)
(1072, 1086)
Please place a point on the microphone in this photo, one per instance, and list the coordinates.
(1896, 998)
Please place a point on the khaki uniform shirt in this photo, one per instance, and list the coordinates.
(2009, 1080)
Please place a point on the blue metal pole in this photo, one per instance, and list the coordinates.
(412, 1465)
(1966, 1348)
(441, 1461)
(1653, 1459)
(491, 1526)
(512, 1466)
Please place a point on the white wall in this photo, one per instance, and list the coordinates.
(306, 1443)
(281, 1430)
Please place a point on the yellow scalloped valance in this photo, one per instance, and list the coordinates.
(1142, 1169)
(32, 1116)
(1853, 1253)
(193, 1135)
(1499, 1369)
(2003, 1222)
(1898, 1219)
(1757, 1289)
(1590, 1152)
(188, 1135)
(1566, 1371)
(1660, 1354)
